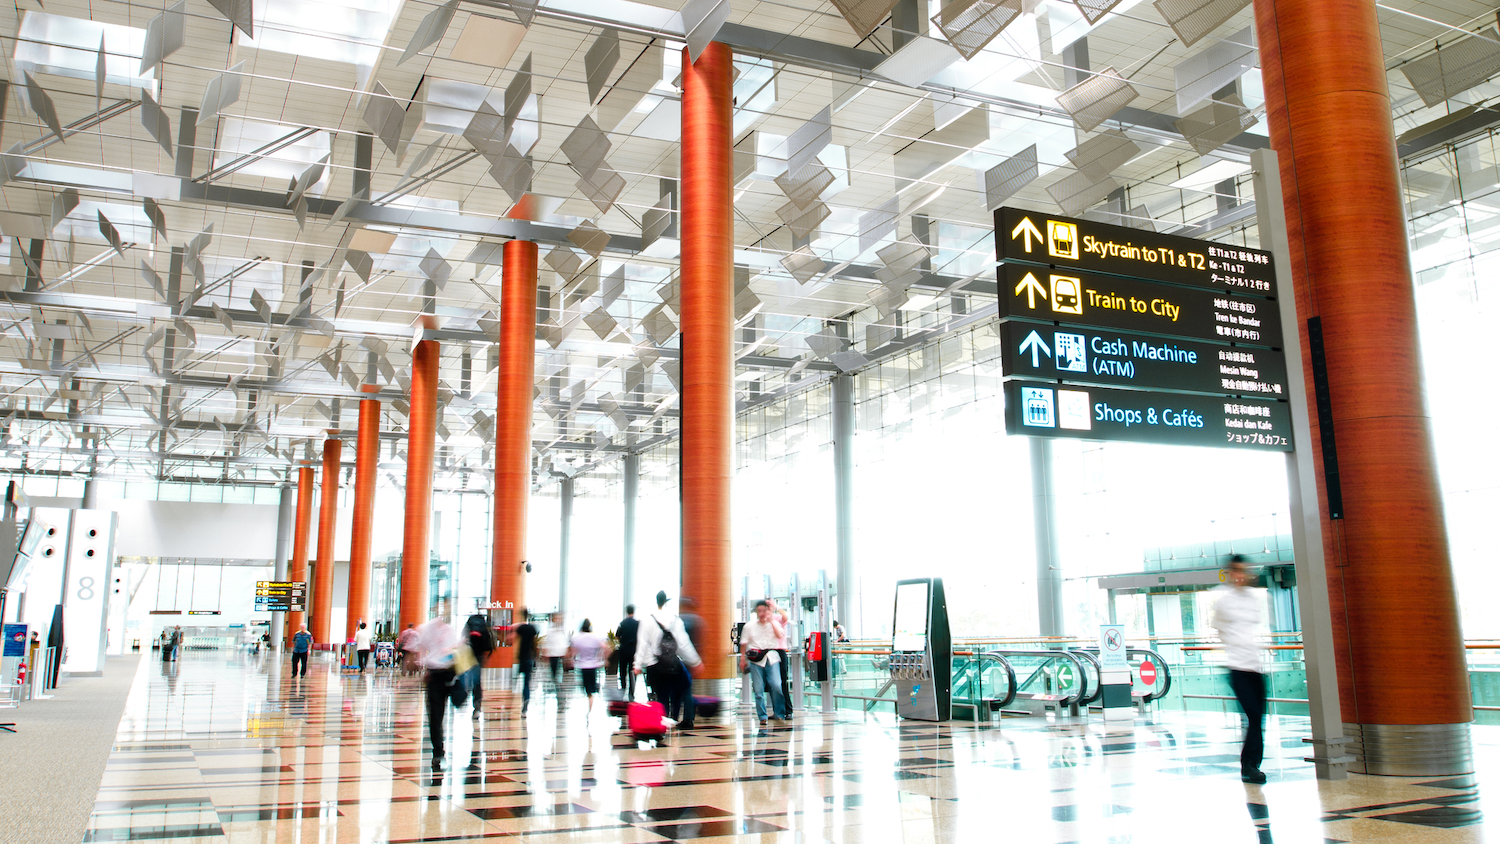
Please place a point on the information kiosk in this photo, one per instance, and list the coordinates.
(922, 651)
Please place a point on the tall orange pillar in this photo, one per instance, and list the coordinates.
(420, 441)
(366, 456)
(295, 620)
(707, 346)
(513, 425)
(328, 511)
(1390, 579)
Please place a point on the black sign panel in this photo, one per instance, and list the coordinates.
(1130, 304)
(1071, 244)
(1101, 413)
(1123, 358)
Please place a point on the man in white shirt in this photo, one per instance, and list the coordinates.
(435, 643)
(662, 660)
(362, 639)
(1237, 617)
(758, 655)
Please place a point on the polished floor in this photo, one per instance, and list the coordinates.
(222, 748)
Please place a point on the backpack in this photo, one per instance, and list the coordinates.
(666, 649)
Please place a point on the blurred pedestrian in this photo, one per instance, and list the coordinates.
(362, 640)
(589, 651)
(626, 633)
(301, 646)
(1237, 617)
(759, 656)
(555, 644)
(435, 643)
(662, 647)
(481, 640)
(525, 637)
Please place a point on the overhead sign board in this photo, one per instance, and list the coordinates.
(1102, 413)
(1129, 304)
(1128, 359)
(1084, 245)
(280, 584)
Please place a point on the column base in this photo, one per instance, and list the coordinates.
(1409, 750)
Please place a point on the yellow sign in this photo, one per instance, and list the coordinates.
(1067, 295)
(1027, 230)
(1062, 240)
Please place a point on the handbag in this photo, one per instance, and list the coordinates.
(755, 654)
(463, 660)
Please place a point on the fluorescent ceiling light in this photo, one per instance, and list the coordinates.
(238, 137)
(1204, 178)
(70, 47)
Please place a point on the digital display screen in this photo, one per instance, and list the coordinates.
(911, 618)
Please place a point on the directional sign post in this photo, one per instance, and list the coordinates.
(1066, 243)
(1128, 359)
(1089, 308)
(1101, 413)
(1105, 301)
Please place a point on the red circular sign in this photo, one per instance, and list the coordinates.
(1148, 673)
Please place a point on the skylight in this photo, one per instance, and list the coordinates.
(239, 137)
(70, 47)
(348, 31)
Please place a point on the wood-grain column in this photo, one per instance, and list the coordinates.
(1403, 683)
(300, 536)
(420, 442)
(513, 395)
(707, 228)
(366, 456)
(328, 514)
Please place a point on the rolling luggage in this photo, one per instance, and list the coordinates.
(614, 701)
(646, 721)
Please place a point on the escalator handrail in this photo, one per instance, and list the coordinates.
(1010, 675)
(1098, 672)
(1161, 666)
(1083, 681)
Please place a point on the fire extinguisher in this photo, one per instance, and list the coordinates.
(21, 675)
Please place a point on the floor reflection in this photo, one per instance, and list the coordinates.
(228, 747)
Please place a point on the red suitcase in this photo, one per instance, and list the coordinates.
(645, 720)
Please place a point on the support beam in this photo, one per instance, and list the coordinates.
(366, 458)
(843, 501)
(284, 520)
(565, 525)
(632, 471)
(513, 394)
(299, 542)
(1049, 603)
(328, 513)
(1390, 576)
(707, 345)
(421, 440)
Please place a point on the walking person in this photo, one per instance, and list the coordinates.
(784, 709)
(693, 624)
(662, 646)
(758, 656)
(403, 645)
(480, 640)
(362, 640)
(301, 647)
(555, 643)
(435, 644)
(1237, 617)
(626, 632)
(525, 638)
(589, 650)
(176, 642)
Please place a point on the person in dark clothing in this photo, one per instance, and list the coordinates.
(301, 646)
(626, 633)
(692, 623)
(482, 642)
(525, 638)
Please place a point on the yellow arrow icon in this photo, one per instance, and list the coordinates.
(1032, 287)
(1027, 228)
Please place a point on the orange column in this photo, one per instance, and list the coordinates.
(513, 425)
(294, 620)
(366, 455)
(1390, 579)
(421, 434)
(707, 345)
(328, 511)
